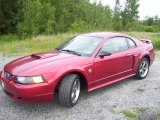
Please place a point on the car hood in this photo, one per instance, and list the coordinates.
(45, 62)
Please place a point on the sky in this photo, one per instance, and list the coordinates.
(149, 8)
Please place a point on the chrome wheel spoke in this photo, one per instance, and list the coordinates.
(143, 64)
(75, 91)
(144, 68)
(73, 95)
(142, 72)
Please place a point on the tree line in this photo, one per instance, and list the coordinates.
(34, 17)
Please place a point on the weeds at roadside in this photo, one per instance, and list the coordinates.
(140, 90)
(129, 114)
(10, 44)
(133, 115)
(158, 114)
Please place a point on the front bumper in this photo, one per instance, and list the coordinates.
(43, 92)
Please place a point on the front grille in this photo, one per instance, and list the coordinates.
(7, 75)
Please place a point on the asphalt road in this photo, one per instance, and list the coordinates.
(107, 103)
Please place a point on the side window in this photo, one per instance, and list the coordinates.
(115, 45)
(131, 43)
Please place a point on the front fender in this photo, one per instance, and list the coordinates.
(57, 75)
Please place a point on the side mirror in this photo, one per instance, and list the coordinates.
(104, 53)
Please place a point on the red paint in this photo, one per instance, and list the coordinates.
(54, 65)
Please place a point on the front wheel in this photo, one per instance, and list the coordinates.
(143, 69)
(69, 90)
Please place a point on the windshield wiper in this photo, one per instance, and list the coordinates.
(71, 51)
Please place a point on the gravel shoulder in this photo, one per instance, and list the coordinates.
(108, 103)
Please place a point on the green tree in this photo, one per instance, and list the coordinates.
(99, 17)
(152, 24)
(130, 14)
(38, 16)
(150, 21)
(117, 21)
(69, 12)
(9, 15)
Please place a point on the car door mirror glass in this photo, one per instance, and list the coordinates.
(104, 53)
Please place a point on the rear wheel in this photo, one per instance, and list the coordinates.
(69, 90)
(143, 69)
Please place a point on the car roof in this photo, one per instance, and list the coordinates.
(104, 34)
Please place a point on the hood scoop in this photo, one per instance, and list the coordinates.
(44, 55)
(35, 56)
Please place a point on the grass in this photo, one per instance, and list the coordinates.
(133, 115)
(130, 115)
(13, 44)
(9, 45)
(140, 90)
(158, 115)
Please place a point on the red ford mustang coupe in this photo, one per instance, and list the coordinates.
(87, 61)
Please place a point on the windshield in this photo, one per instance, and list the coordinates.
(82, 45)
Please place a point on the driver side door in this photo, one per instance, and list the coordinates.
(109, 69)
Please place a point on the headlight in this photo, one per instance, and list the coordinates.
(29, 80)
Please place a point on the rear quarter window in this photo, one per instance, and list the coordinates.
(131, 43)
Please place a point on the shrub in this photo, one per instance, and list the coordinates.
(78, 26)
(38, 17)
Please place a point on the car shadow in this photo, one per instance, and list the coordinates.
(110, 87)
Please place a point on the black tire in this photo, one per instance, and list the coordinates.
(66, 90)
(139, 74)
